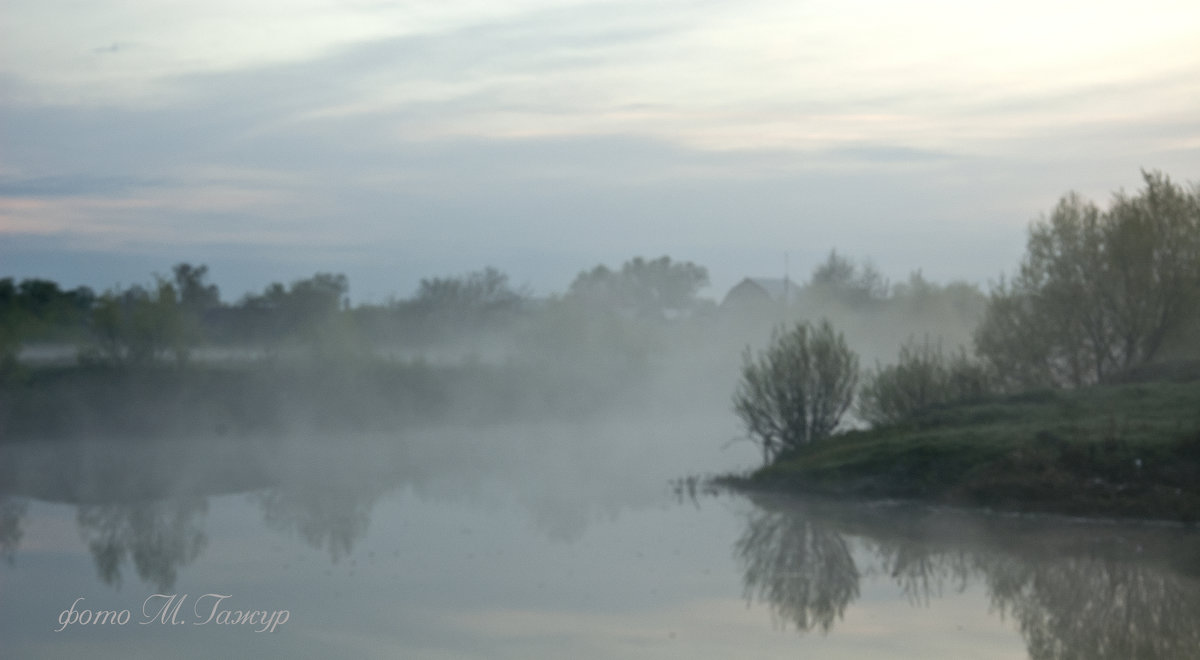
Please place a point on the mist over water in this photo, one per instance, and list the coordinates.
(525, 486)
(440, 543)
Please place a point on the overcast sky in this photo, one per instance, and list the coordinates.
(392, 141)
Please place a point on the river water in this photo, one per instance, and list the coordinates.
(544, 540)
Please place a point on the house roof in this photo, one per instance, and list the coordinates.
(765, 289)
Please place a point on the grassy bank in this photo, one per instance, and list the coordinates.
(1124, 450)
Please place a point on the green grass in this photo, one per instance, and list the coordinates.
(1128, 450)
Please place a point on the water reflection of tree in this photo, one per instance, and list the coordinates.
(159, 537)
(1087, 593)
(1094, 608)
(921, 574)
(803, 571)
(12, 511)
(331, 517)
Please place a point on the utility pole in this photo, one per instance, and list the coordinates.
(787, 282)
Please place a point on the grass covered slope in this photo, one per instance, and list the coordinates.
(1120, 450)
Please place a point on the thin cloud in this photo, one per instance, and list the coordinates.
(459, 133)
(77, 185)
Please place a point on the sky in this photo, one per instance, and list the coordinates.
(393, 141)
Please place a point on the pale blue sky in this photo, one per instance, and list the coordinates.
(394, 141)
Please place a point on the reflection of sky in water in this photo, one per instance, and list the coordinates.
(433, 579)
(515, 543)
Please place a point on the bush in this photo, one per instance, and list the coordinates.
(922, 377)
(796, 391)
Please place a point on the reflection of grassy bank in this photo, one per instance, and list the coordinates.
(1130, 450)
(203, 400)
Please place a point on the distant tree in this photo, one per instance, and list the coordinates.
(917, 288)
(39, 310)
(459, 308)
(138, 326)
(8, 293)
(1097, 292)
(480, 292)
(938, 308)
(835, 271)
(651, 288)
(841, 279)
(260, 318)
(319, 296)
(308, 310)
(194, 293)
(797, 390)
(12, 323)
(39, 296)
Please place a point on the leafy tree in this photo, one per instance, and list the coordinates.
(1097, 292)
(480, 292)
(8, 294)
(796, 391)
(447, 310)
(839, 278)
(317, 297)
(1153, 245)
(920, 296)
(307, 309)
(38, 296)
(194, 293)
(651, 289)
(39, 310)
(139, 326)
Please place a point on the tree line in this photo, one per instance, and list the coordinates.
(616, 310)
(168, 318)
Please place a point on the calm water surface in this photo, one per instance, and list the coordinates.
(546, 541)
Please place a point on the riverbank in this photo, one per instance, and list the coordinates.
(1128, 450)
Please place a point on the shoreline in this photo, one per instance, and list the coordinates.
(1116, 451)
